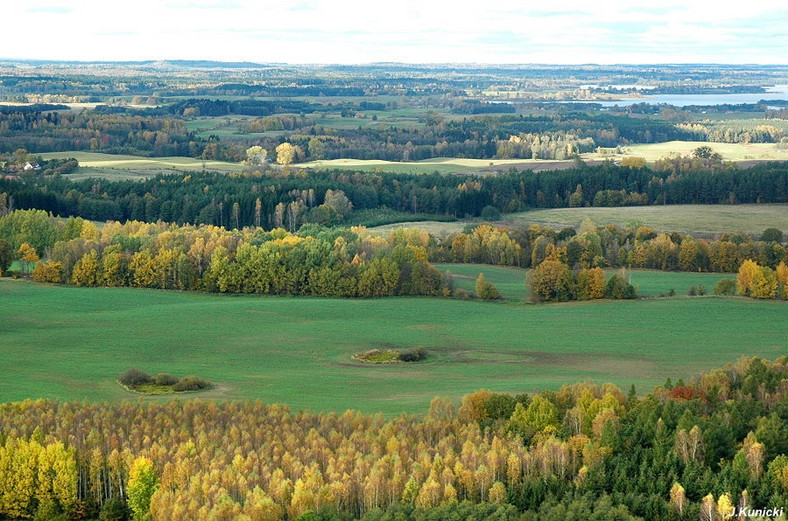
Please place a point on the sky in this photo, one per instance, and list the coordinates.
(409, 31)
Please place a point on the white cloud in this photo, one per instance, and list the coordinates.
(357, 31)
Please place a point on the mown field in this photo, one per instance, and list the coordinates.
(697, 219)
(443, 165)
(728, 151)
(684, 218)
(123, 167)
(71, 343)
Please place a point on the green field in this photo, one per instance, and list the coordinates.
(71, 343)
(696, 219)
(511, 281)
(120, 167)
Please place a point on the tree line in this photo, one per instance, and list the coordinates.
(318, 261)
(586, 451)
(211, 198)
(609, 246)
(567, 264)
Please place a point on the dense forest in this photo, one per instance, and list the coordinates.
(683, 452)
(255, 198)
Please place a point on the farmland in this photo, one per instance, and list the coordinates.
(71, 343)
(126, 167)
(728, 151)
(511, 281)
(700, 220)
(693, 219)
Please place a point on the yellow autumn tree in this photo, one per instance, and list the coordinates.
(782, 280)
(142, 483)
(744, 280)
(86, 271)
(497, 493)
(27, 257)
(18, 465)
(678, 498)
(48, 272)
(725, 507)
(285, 154)
(764, 283)
(590, 284)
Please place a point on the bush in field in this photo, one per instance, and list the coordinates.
(725, 287)
(490, 213)
(190, 383)
(618, 288)
(413, 355)
(134, 378)
(165, 379)
(485, 289)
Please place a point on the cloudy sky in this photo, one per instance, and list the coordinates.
(414, 31)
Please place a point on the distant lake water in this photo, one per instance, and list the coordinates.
(778, 92)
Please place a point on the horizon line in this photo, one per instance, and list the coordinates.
(387, 62)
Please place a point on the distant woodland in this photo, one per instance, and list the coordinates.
(162, 132)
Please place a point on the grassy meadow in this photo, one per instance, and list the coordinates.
(683, 218)
(649, 283)
(124, 167)
(696, 219)
(71, 343)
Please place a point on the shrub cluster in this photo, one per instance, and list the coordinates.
(390, 356)
(134, 379)
(413, 355)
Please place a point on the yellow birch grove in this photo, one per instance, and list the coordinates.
(248, 460)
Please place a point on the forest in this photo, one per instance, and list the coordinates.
(684, 451)
(259, 198)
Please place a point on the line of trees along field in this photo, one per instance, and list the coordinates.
(682, 452)
(263, 199)
(349, 262)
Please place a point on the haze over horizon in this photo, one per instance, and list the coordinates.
(357, 32)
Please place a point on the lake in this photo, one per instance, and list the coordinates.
(778, 92)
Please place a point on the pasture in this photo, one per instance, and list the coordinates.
(697, 219)
(442, 165)
(71, 343)
(123, 167)
(649, 283)
(694, 219)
